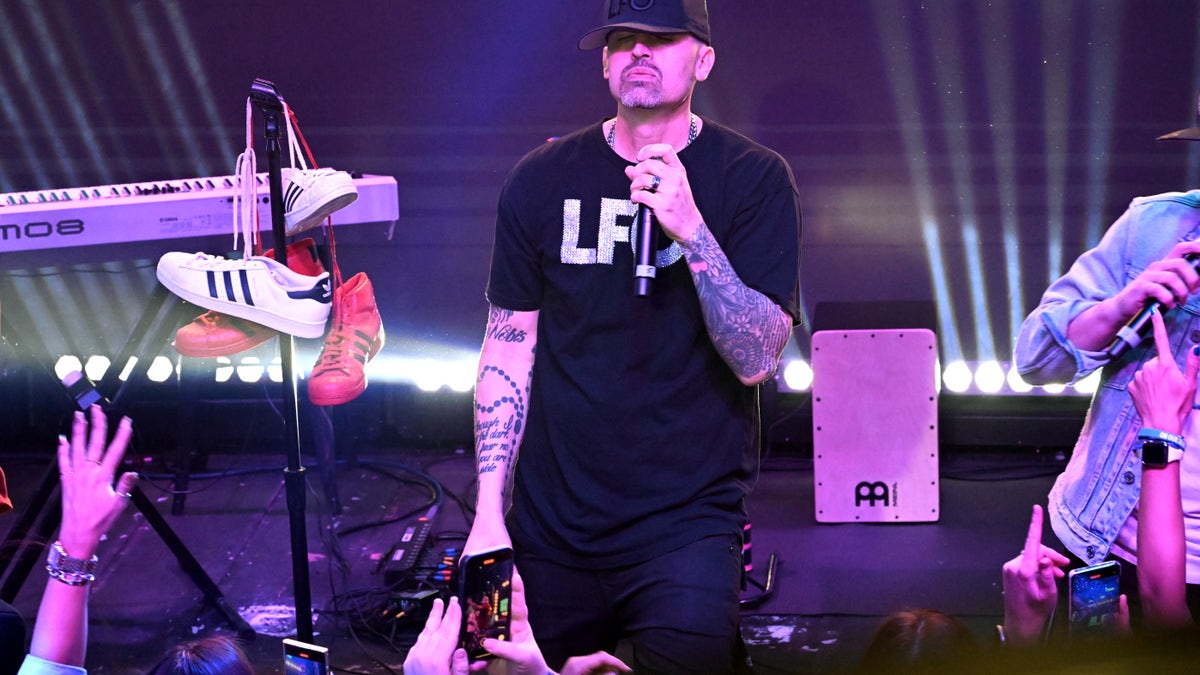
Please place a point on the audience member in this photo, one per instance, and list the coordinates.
(213, 655)
(90, 504)
(1164, 397)
(918, 641)
(1031, 588)
(436, 651)
(12, 624)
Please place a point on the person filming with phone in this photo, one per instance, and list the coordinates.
(439, 648)
(635, 413)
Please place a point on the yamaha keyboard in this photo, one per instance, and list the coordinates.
(153, 210)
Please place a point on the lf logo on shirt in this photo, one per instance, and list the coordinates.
(609, 232)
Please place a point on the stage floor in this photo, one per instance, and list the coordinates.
(833, 584)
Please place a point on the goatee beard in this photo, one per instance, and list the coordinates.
(639, 95)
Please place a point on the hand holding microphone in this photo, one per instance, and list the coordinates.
(1161, 286)
(659, 186)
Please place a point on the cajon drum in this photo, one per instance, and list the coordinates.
(875, 437)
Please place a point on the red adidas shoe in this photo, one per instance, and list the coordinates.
(213, 334)
(356, 337)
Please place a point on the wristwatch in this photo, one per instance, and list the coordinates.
(1156, 454)
(70, 571)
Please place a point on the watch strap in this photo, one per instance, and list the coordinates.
(71, 571)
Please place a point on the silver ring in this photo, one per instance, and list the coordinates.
(654, 183)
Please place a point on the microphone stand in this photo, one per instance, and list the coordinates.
(268, 101)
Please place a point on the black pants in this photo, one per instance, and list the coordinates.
(678, 612)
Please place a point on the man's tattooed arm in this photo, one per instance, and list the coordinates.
(748, 329)
(501, 401)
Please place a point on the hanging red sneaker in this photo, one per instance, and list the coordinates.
(355, 339)
(214, 334)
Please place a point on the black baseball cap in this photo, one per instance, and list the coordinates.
(1192, 134)
(650, 16)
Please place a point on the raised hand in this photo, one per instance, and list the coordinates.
(1030, 586)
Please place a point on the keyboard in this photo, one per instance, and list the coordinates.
(168, 209)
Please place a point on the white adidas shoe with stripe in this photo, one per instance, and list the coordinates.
(257, 289)
(311, 195)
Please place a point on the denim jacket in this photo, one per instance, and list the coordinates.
(1099, 488)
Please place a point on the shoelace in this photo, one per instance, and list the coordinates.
(335, 352)
(245, 192)
(298, 147)
(206, 261)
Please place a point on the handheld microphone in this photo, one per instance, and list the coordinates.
(83, 390)
(644, 269)
(1131, 334)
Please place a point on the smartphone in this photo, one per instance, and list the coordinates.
(302, 658)
(1094, 597)
(485, 594)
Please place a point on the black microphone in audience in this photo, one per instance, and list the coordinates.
(1131, 334)
(644, 269)
(83, 390)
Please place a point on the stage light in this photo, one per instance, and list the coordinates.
(250, 370)
(160, 370)
(128, 369)
(460, 376)
(1089, 384)
(224, 369)
(96, 367)
(427, 375)
(1054, 388)
(67, 363)
(275, 370)
(989, 377)
(1016, 384)
(798, 375)
(932, 92)
(25, 88)
(957, 377)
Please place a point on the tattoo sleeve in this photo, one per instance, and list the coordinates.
(502, 396)
(748, 329)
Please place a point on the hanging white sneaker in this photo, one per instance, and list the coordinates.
(310, 195)
(257, 289)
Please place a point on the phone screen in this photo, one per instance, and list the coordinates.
(301, 658)
(1094, 598)
(485, 592)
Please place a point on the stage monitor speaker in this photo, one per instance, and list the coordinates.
(875, 437)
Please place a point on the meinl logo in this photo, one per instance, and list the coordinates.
(871, 493)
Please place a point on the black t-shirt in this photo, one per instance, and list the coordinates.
(640, 439)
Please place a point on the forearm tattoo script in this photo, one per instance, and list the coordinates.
(500, 403)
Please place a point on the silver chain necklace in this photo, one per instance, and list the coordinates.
(693, 131)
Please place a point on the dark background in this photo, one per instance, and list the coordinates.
(959, 153)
